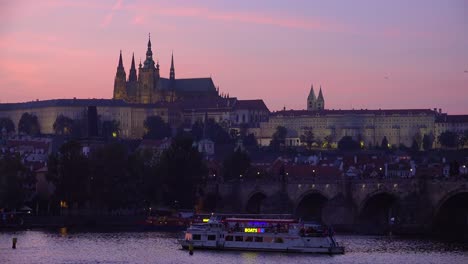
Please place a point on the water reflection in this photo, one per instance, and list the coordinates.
(71, 246)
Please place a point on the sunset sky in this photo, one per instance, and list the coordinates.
(365, 54)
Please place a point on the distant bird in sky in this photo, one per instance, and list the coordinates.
(466, 71)
(386, 77)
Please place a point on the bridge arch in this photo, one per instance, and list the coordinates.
(378, 212)
(451, 215)
(310, 204)
(254, 204)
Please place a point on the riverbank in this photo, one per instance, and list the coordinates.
(100, 221)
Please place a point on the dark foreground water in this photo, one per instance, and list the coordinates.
(154, 247)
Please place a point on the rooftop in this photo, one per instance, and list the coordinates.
(380, 112)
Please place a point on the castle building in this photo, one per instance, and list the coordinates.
(149, 87)
(366, 126)
(369, 127)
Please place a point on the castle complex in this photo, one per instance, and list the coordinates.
(182, 102)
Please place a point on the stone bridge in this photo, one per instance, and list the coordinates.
(411, 205)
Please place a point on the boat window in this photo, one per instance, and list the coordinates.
(258, 239)
(239, 238)
(229, 238)
(196, 237)
(279, 240)
(211, 237)
(249, 239)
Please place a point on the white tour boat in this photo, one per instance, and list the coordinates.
(283, 235)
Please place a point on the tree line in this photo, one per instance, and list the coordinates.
(112, 177)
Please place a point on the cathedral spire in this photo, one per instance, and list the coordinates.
(149, 62)
(172, 72)
(149, 40)
(320, 96)
(320, 100)
(132, 77)
(311, 93)
(120, 80)
(120, 67)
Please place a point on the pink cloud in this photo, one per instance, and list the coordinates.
(108, 18)
(138, 20)
(249, 18)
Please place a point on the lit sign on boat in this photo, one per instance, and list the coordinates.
(254, 230)
(205, 220)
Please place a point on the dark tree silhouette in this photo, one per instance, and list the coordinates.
(414, 145)
(448, 139)
(348, 143)
(427, 141)
(250, 140)
(111, 182)
(384, 144)
(6, 123)
(69, 171)
(308, 138)
(235, 165)
(279, 137)
(29, 125)
(63, 125)
(156, 128)
(211, 130)
(110, 129)
(419, 140)
(181, 169)
(12, 177)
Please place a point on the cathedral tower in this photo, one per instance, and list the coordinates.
(320, 100)
(311, 100)
(148, 78)
(120, 81)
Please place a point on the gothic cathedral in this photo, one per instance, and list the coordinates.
(149, 87)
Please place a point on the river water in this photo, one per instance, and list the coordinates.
(155, 247)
